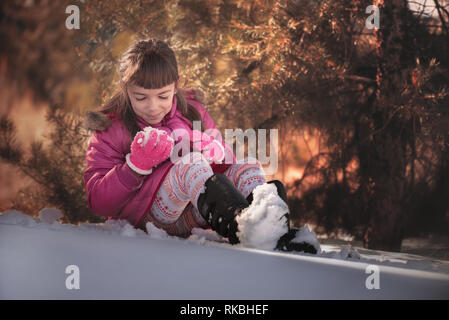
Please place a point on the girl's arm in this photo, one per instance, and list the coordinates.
(109, 182)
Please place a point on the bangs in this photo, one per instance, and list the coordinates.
(154, 73)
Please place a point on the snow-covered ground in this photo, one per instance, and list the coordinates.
(43, 259)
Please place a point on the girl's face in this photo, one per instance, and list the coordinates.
(151, 104)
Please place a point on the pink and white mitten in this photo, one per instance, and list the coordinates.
(211, 148)
(149, 148)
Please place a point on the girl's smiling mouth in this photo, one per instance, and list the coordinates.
(154, 117)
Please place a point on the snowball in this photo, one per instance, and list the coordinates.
(263, 222)
(304, 234)
(50, 215)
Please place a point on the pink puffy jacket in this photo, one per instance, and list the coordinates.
(112, 189)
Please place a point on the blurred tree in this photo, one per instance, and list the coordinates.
(40, 56)
(379, 99)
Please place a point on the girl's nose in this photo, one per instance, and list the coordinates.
(150, 105)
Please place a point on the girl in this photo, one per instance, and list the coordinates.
(129, 173)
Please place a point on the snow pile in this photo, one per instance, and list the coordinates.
(306, 235)
(48, 219)
(155, 232)
(116, 261)
(209, 238)
(128, 230)
(205, 234)
(113, 227)
(263, 222)
(15, 217)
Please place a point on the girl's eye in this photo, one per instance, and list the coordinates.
(163, 98)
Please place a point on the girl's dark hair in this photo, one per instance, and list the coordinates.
(150, 64)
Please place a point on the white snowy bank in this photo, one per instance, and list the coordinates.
(116, 261)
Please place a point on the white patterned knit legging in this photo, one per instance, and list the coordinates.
(175, 206)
